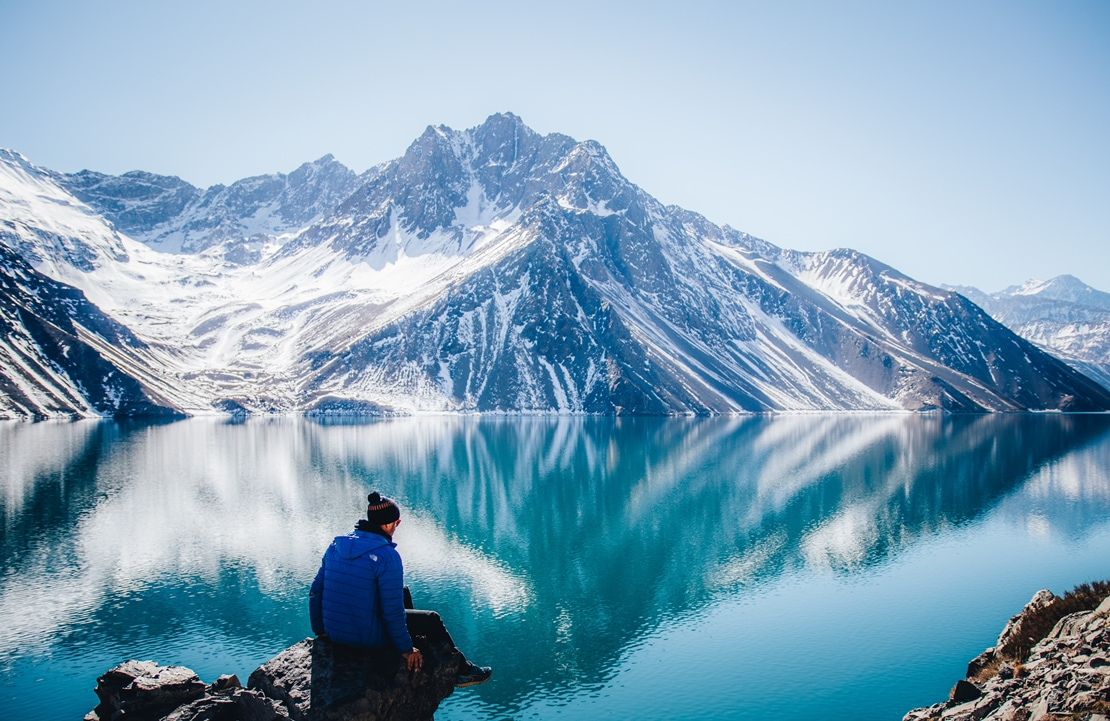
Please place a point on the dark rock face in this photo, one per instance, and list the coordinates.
(313, 680)
(48, 366)
(964, 691)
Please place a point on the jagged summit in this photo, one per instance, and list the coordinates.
(452, 190)
(135, 202)
(496, 269)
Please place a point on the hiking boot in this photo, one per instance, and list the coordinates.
(471, 675)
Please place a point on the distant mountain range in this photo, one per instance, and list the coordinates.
(1064, 315)
(490, 270)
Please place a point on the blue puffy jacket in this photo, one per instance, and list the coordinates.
(358, 595)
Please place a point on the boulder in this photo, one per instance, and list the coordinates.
(233, 704)
(320, 681)
(314, 680)
(964, 691)
(144, 691)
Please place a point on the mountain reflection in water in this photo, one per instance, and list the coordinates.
(552, 546)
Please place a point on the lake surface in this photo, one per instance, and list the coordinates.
(789, 567)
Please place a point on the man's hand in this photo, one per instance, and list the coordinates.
(413, 659)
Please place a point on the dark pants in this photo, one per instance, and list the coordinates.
(428, 625)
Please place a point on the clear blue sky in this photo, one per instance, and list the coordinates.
(961, 142)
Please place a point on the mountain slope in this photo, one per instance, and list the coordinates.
(49, 364)
(498, 270)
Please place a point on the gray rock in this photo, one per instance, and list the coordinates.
(318, 680)
(224, 683)
(234, 704)
(143, 690)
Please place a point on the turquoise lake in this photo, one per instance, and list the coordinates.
(787, 567)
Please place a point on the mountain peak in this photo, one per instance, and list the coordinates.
(1066, 288)
(1063, 314)
(502, 139)
(502, 122)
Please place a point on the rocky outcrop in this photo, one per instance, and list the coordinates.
(317, 680)
(313, 680)
(1065, 675)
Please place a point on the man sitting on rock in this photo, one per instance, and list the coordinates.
(358, 597)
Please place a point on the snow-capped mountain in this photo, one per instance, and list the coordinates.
(1064, 315)
(498, 270)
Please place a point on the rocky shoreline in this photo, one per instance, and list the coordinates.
(1051, 662)
(314, 679)
(1030, 675)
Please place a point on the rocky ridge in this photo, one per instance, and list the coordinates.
(172, 215)
(1066, 675)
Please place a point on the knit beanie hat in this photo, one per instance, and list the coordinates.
(381, 510)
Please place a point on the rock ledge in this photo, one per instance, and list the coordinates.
(313, 680)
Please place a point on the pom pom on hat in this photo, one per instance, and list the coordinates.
(381, 510)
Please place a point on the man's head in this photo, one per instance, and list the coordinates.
(383, 512)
